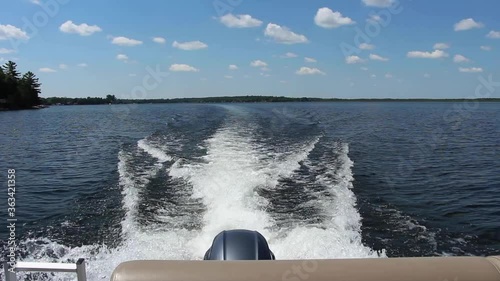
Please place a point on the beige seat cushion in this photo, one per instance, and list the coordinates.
(395, 269)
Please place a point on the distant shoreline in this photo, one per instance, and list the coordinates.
(239, 99)
(61, 101)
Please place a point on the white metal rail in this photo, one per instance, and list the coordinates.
(78, 268)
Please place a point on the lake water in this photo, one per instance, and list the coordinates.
(318, 180)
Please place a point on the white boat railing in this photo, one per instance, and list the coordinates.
(78, 268)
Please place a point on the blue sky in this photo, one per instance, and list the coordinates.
(405, 49)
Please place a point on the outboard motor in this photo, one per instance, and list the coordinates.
(230, 245)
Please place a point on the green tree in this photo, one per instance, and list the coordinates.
(11, 81)
(29, 89)
(110, 98)
(18, 92)
(3, 86)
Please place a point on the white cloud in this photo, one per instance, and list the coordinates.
(388, 76)
(47, 70)
(228, 77)
(284, 35)
(379, 3)
(283, 82)
(378, 58)
(190, 46)
(6, 51)
(310, 60)
(373, 76)
(233, 67)
(132, 75)
(467, 24)
(36, 2)
(11, 32)
(265, 69)
(183, 68)
(486, 48)
(365, 46)
(240, 21)
(122, 57)
(427, 75)
(82, 65)
(441, 46)
(159, 40)
(309, 71)
(63, 66)
(364, 68)
(470, 70)
(258, 63)
(124, 41)
(494, 34)
(353, 60)
(437, 54)
(82, 29)
(289, 55)
(460, 59)
(374, 19)
(265, 74)
(327, 18)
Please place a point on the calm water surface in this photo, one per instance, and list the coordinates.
(319, 180)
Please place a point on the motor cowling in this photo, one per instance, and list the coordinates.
(239, 245)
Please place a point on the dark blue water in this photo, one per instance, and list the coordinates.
(319, 180)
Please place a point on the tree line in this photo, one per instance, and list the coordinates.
(18, 91)
(111, 99)
(79, 101)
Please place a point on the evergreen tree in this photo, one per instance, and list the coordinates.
(3, 86)
(29, 89)
(18, 92)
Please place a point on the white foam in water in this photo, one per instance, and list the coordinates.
(339, 237)
(153, 151)
(226, 183)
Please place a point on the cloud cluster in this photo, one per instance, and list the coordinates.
(309, 71)
(437, 54)
(353, 60)
(379, 3)
(470, 70)
(441, 46)
(80, 29)
(11, 32)
(378, 58)
(190, 46)
(122, 57)
(460, 59)
(126, 42)
(183, 68)
(159, 40)
(467, 24)
(258, 63)
(310, 60)
(327, 18)
(284, 35)
(240, 21)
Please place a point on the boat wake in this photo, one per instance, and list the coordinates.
(174, 205)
